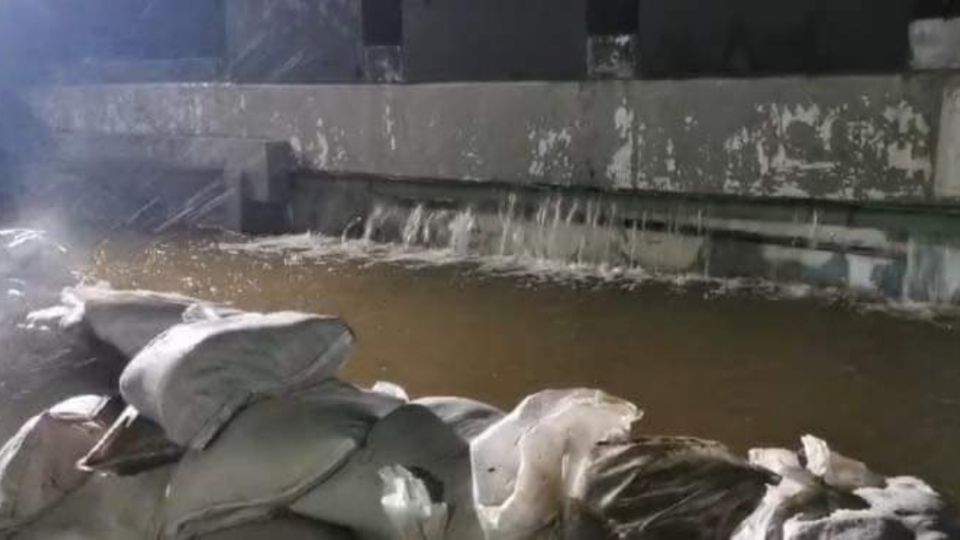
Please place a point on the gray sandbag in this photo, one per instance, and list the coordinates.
(38, 465)
(286, 528)
(105, 508)
(270, 455)
(469, 418)
(132, 445)
(129, 320)
(413, 438)
(663, 488)
(526, 465)
(193, 378)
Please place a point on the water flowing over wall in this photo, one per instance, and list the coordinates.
(847, 182)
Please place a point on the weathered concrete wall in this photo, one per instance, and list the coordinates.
(450, 40)
(295, 41)
(948, 154)
(845, 138)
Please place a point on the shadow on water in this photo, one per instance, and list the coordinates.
(737, 367)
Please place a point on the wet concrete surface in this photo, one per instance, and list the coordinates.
(741, 368)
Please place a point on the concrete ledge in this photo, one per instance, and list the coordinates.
(261, 166)
(256, 172)
(863, 138)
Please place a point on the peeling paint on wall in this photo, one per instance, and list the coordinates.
(620, 168)
(388, 123)
(550, 154)
(852, 138)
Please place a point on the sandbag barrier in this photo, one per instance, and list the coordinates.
(233, 425)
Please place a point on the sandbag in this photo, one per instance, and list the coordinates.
(106, 508)
(903, 508)
(835, 469)
(663, 488)
(132, 445)
(193, 378)
(469, 418)
(832, 496)
(415, 439)
(848, 526)
(410, 508)
(270, 455)
(38, 465)
(129, 320)
(391, 389)
(286, 528)
(525, 465)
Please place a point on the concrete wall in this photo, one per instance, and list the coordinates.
(845, 138)
(494, 39)
(295, 41)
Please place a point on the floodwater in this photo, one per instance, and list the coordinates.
(741, 368)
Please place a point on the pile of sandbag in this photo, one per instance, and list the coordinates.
(233, 425)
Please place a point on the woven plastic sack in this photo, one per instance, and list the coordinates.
(661, 488)
(467, 417)
(195, 377)
(129, 320)
(38, 465)
(358, 497)
(526, 465)
(106, 508)
(286, 528)
(269, 456)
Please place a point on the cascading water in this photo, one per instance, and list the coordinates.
(589, 236)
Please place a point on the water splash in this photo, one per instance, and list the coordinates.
(562, 237)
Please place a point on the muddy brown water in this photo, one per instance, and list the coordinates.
(741, 368)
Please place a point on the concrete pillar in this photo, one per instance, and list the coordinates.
(494, 40)
(294, 41)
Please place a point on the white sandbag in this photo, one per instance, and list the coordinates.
(663, 488)
(106, 508)
(797, 492)
(407, 503)
(467, 417)
(193, 378)
(847, 526)
(129, 320)
(915, 504)
(525, 465)
(823, 501)
(270, 455)
(835, 469)
(286, 528)
(38, 465)
(414, 438)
